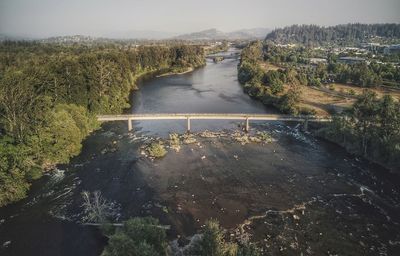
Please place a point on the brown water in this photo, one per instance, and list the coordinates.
(297, 195)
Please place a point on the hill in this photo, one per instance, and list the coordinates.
(214, 34)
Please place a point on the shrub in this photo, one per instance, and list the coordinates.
(307, 111)
(156, 149)
(213, 243)
(138, 236)
(174, 139)
(352, 92)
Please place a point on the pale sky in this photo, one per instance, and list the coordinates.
(43, 18)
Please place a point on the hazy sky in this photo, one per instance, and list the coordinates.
(42, 18)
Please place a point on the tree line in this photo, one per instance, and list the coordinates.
(341, 34)
(50, 94)
(279, 88)
(362, 73)
(371, 128)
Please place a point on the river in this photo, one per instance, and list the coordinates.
(296, 195)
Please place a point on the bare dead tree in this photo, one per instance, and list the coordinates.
(96, 208)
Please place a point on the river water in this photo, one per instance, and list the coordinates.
(295, 196)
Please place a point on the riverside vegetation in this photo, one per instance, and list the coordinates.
(370, 127)
(157, 148)
(145, 236)
(50, 94)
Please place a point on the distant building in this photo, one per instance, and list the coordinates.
(286, 45)
(392, 49)
(366, 45)
(316, 61)
(351, 60)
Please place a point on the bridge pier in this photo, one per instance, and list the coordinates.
(305, 125)
(188, 124)
(247, 128)
(129, 124)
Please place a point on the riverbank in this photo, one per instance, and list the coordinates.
(177, 72)
(100, 82)
(354, 107)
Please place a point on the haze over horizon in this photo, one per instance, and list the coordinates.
(46, 18)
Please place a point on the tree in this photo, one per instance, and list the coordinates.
(96, 208)
(364, 113)
(213, 243)
(138, 237)
(59, 139)
(13, 166)
(289, 101)
(250, 72)
(253, 52)
(17, 100)
(273, 78)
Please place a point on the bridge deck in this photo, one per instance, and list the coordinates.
(211, 116)
(221, 116)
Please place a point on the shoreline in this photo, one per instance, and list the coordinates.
(170, 73)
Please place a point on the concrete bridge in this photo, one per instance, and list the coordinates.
(225, 57)
(211, 116)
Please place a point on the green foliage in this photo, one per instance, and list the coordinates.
(85, 121)
(137, 237)
(249, 72)
(156, 149)
(18, 103)
(213, 243)
(341, 34)
(174, 139)
(252, 53)
(60, 138)
(248, 250)
(50, 94)
(371, 129)
(14, 163)
(362, 74)
(269, 87)
(274, 79)
(289, 101)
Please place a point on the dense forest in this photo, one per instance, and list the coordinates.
(340, 34)
(50, 93)
(279, 88)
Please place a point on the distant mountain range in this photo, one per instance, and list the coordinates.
(209, 34)
(139, 34)
(214, 34)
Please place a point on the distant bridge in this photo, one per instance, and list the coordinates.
(224, 56)
(211, 116)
